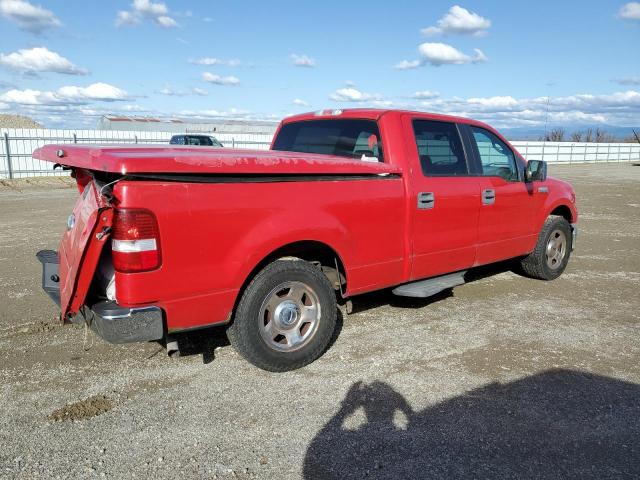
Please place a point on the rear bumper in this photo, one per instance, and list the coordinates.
(118, 324)
(109, 320)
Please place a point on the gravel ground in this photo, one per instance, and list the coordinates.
(505, 377)
(17, 121)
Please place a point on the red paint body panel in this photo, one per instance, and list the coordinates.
(213, 235)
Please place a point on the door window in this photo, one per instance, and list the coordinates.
(439, 148)
(496, 158)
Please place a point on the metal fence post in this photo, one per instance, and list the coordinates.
(571, 154)
(75, 138)
(233, 142)
(8, 155)
(136, 138)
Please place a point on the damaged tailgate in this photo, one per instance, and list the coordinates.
(87, 231)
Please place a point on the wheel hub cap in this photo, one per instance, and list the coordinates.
(286, 313)
(289, 316)
(556, 249)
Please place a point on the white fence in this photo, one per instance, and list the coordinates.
(569, 152)
(17, 145)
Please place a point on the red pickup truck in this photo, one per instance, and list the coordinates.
(171, 239)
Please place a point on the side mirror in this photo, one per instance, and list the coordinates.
(536, 171)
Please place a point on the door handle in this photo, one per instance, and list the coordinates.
(426, 200)
(488, 197)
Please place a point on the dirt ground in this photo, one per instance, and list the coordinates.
(505, 377)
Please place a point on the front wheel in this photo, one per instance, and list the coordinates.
(551, 255)
(286, 316)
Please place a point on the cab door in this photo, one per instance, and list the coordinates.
(505, 226)
(444, 199)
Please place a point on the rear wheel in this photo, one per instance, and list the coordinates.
(551, 255)
(286, 316)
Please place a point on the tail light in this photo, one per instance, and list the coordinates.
(135, 241)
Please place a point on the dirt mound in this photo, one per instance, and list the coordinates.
(17, 121)
(90, 407)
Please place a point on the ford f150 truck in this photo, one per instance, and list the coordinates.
(170, 239)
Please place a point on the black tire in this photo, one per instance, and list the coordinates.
(248, 336)
(536, 264)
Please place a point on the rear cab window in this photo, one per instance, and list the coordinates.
(439, 149)
(349, 138)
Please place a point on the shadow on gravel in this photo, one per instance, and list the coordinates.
(386, 297)
(557, 424)
(205, 341)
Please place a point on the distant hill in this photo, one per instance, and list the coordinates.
(536, 133)
(17, 121)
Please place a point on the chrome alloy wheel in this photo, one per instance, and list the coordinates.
(289, 316)
(556, 249)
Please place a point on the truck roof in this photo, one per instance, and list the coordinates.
(376, 113)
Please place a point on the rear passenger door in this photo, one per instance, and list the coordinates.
(444, 199)
(507, 201)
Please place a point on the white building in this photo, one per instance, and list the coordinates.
(184, 125)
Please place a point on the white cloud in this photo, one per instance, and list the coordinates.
(167, 90)
(497, 103)
(351, 94)
(630, 11)
(219, 80)
(232, 112)
(157, 12)
(126, 18)
(300, 103)
(302, 60)
(407, 64)
(425, 94)
(459, 21)
(212, 61)
(442, 54)
(628, 81)
(27, 16)
(165, 21)
(620, 108)
(66, 95)
(40, 59)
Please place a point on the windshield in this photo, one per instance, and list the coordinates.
(358, 139)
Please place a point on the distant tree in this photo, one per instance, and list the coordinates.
(603, 137)
(577, 136)
(589, 136)
(555, 135)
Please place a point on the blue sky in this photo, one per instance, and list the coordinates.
(67, 62)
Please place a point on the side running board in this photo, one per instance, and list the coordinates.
(430, 286)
